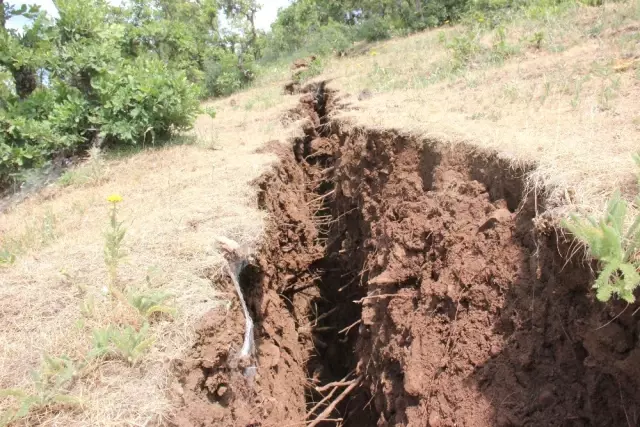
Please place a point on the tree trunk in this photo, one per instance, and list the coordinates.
(254, 36)
(3, 19)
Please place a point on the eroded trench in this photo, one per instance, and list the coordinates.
(403, 283)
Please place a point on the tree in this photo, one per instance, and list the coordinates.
(93, 85)
(243, 14)
(23, 53)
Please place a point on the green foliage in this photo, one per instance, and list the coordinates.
(225, 73)
(115, 75)
(33, 128)
(502, 49)
(374, 29)
(123, 343)
(113, 252)
(614, 245)
(51, 387)
(537, 39)
(464, 47)
(369, 20)
(6, 257)
(141, 99)
(314, 68)
(210, 111)
(150, 302)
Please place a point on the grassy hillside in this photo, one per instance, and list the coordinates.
(552, 90)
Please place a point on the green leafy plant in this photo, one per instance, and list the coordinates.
(51, 387)
(124, 343)
(210, 111)
(374, 29)
(314, 68)
(502, 49)
(113, 252)
(537, 39)
(150, 302)
(614, 245)
(464, 47)
(6, 257)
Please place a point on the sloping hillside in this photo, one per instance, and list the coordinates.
(397, 227)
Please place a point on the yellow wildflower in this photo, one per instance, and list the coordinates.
(374, 53)
(114, 198)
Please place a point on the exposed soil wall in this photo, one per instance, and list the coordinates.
(406, 281)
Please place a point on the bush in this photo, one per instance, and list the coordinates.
(34, 129)
(85, 78)
(374, 29)
(314, 69)
(134, 101)
(331, 38)
(143, 99)
(226, 72)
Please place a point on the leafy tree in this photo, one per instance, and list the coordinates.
(90, 76)
(22, 54)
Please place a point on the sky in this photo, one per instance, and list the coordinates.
(264, 18)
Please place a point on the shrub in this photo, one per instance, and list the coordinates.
(150, 302)
(329, 39)
(142, 99)
(124, 343)
(314, 69)
(33, 129)
(225, 73)
(374, 29)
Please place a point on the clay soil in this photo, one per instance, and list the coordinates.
(407, 282)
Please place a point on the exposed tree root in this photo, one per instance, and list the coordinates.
(324, 415)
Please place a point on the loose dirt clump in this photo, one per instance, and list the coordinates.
(404, 283)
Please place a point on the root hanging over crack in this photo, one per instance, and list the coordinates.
(402, 283)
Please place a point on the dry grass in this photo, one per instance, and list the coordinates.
(569, 107)
(177, 200)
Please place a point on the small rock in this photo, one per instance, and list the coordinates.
(222, 390)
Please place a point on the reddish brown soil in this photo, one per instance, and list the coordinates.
(465, 316)
(487, 325)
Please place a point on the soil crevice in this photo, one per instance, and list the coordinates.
(402, 283)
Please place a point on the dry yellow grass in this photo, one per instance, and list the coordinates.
(570, 108)
(177, 200)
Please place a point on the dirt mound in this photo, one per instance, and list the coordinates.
(402, 283)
